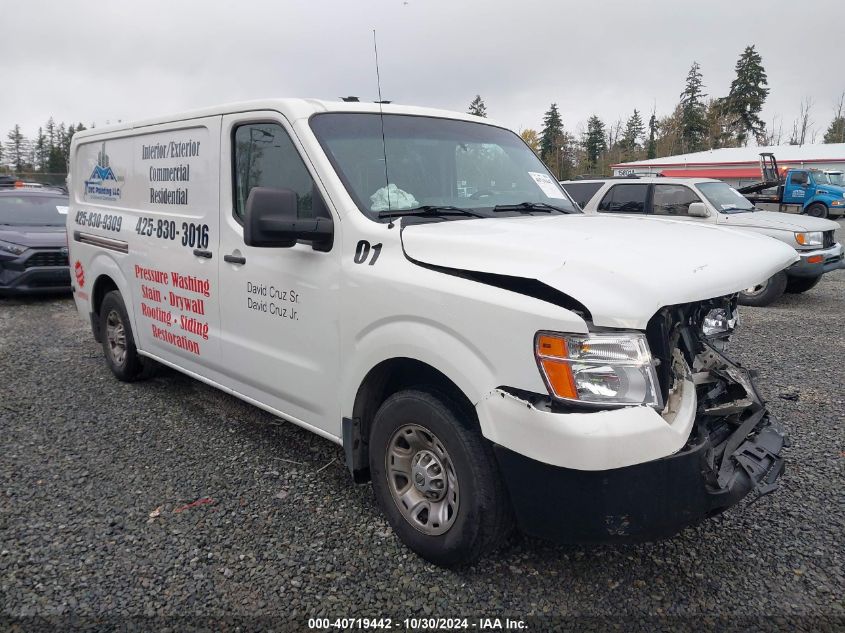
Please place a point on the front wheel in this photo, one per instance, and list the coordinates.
(796, 285)
(817, 210)
(436, 480)
(764, 293)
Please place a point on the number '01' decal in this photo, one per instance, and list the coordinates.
(362, 252)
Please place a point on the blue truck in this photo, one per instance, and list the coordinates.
(810, 191)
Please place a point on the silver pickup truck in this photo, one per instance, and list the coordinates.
(713, 201)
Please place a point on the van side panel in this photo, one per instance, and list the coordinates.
(158, 187)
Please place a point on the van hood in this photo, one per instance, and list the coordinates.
(775, 220)
(34, 236)
(622, 269)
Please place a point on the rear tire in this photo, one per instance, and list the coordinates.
(797, 285)
(119, 343)
(817, 210)
(436, 480)
(766, 293)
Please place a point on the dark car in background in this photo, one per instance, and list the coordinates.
(33, 242)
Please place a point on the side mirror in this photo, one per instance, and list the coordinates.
(271, 220)
(698, 210)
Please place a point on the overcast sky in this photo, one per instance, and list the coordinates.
(104, 61)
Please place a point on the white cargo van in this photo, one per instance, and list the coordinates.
(415, 286)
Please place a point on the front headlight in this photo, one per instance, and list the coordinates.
(11, 247)
(809, 238)
(838, 203)
(598, 369)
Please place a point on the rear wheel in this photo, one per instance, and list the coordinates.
(765, 293)
(817, 210)
(118, 341)
(796, 285)
(436, 480)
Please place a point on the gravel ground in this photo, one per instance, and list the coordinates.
(97, 479)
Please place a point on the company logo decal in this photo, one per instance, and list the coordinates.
(80, 274)
(103, 184)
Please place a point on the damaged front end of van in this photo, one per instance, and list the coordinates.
(734, 447)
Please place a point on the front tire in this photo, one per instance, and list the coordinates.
(797, 285)
(436, 479)
(765, 293)
(118, 341)
(817, 210)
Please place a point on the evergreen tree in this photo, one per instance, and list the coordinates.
(745, 100)
(652, 134)
(57, 157)
(16, 148)
(477, 107)
(634, 131)
(550, 135)
(836, 131)
(42, 150)
(50, 128)
(693, 111)
(595, 141)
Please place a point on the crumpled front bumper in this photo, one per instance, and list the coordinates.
(646, 501)
(735, 448)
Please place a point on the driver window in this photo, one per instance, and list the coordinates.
(799, 178)
(673, 200)
(264, 156)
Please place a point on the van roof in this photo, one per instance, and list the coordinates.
(292, 109)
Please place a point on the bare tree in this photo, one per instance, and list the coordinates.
(774, 135)
(803, 125)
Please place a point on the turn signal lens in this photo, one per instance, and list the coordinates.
(809, 238)
(598, 369)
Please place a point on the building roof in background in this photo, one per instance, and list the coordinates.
(822, 153)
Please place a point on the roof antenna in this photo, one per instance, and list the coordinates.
(381, 117)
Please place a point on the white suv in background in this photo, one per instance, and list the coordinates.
(714, 202)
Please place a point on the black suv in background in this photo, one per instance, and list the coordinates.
(33, 241)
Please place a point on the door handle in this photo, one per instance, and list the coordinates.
(234, 259)
(201, 253)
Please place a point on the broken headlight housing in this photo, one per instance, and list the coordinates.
(598, 369)
(718, 324)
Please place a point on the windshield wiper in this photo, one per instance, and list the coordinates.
(430, 210)
(529, 207)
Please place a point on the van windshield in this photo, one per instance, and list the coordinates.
(836, 178)
(433, 162)
(726, 199)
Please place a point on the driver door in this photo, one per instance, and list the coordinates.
(279, 309)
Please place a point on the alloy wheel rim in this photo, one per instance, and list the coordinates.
(116, 336)
(422, 479)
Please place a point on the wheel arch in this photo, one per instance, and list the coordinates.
(385, 379)
(818, 203)
(107, 277)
